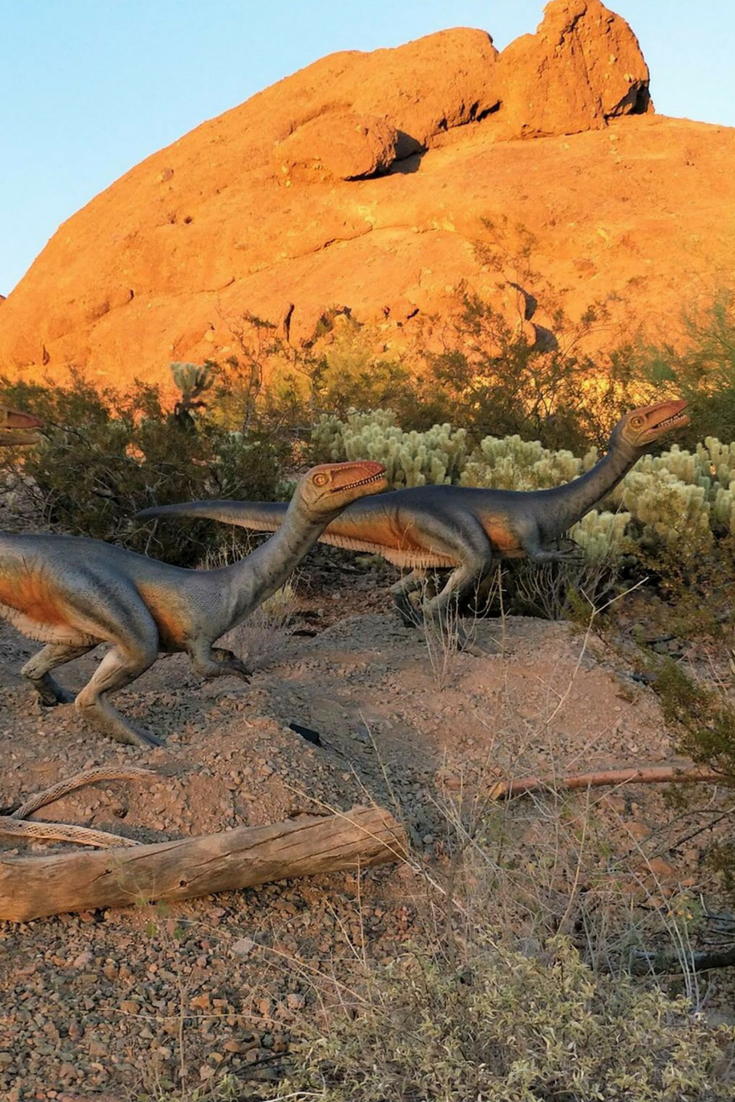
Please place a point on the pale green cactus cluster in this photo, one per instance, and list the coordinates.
(682, 494)
(664, 509)
(411, 458)
(677, 499)
(509, 463)
(601, 535)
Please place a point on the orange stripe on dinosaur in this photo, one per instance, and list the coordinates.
(35, 596)
(401, 542)
(172, 625)
(501, 536)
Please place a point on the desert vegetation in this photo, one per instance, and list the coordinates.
(555, 996)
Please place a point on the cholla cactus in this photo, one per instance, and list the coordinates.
(510, 463)
(666, 509)
(723, 508)
(677, 499)
(410, 458)
(601, 535)
(191, 379)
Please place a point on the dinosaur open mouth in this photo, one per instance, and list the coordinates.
(675, 419)
(362, 482)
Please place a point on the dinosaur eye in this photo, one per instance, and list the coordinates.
(636, 422)
(321, 479)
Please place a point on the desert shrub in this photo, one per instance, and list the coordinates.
(505, 1028)
(104, 455)
(703, 717)
(571, 589)
(494, 379)
(703, 371)
(411, 458)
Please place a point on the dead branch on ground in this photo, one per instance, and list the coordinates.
(32, 887)
(654, 774)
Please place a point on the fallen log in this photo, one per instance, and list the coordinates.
(33, 887)
(655, 774)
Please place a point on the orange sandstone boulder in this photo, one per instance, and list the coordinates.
(364, 182)
(342, 144)
(582, 67)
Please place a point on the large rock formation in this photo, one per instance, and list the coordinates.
(365, 181)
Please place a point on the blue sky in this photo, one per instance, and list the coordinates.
(90, 87)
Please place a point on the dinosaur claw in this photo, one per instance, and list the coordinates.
(144, 739)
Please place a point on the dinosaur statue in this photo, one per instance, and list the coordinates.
(430, 527)
(17, 427)
(73, 594)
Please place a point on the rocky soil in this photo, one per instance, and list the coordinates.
(125, 1000)
(365, 181)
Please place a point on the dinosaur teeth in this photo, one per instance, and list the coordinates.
(362, 482)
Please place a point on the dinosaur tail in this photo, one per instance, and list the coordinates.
(259, 516)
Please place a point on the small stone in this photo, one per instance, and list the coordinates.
(243, 947)
(129, 1007)
(83, 960)
(206, 1072)
(295, 1001)
(660, 868)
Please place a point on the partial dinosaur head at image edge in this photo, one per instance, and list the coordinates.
(329, 487)
(640, 428)
(17, 427)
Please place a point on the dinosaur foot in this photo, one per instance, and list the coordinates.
(115, 727)
(135, 736)
(51, 695)
(409, 615)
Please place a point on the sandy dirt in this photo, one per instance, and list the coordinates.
(116, 1000)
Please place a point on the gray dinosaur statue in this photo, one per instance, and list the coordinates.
(463, 528)
(17, 427)
(73, 594)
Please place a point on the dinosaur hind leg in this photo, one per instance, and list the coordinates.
(38, 671)
(401, 594)
(131, 629)
(443, 610)
(209, 661)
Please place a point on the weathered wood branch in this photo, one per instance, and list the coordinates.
(30, 830)
(644, 963)
(79, 780)
(32, 887)
(655, 774)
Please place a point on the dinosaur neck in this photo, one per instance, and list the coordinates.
(254, 578)
(565, 505)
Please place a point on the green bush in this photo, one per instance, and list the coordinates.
(493, 380)
(703, 372)
(103, 456)
(508, 1028)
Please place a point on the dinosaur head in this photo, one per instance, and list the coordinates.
(640, 428)
(17, 427)
(327, 489)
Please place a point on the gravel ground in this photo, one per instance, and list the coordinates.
(122, 1001)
